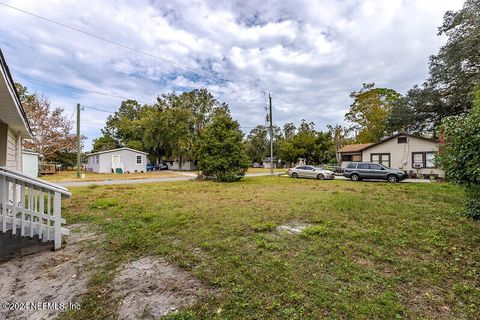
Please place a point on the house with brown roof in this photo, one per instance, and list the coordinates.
(411, 153)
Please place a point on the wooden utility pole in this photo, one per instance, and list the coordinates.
(271, 134)
(79, 147)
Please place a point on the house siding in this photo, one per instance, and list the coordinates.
(186, 165)
(401, 153)
(11, 148)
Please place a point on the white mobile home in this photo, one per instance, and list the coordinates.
(401, 151)
(122, 160)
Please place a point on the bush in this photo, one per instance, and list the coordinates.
(220, 152)
(459, 156)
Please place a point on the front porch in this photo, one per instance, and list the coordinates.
(30, 214)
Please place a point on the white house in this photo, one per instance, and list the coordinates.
(121, 160)
(186, 165)
(30, 163)
(13, 121)
(401, 151)
(30, 208)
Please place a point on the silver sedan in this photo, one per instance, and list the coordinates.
(310, 172)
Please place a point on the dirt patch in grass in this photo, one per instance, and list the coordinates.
(58, 277)
(150, 287)
(293, 227)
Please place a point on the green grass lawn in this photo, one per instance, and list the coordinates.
(375, 250)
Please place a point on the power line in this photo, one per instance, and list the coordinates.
(98, 109)
(114, 42)
(71, 117)
(80, 89)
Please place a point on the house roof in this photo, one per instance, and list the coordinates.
(354, 147)
(400, 135)
(118, 149)
(364, 146)
(15, 115)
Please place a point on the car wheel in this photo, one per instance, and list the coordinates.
(294, 175)
(355, 177)
(320, 176)
(392, 178)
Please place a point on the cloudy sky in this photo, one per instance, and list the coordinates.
(308, 54)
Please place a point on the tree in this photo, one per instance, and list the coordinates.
(168, 133)
(455, 69)
(258, 144)
(125, 124)
(459, 156)
(68, 159)
(50, 127)
(370, 110)
(453, 73)
(340, 135)
(105, 142)
(307, 143)
(220, 151)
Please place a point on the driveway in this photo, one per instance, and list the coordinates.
(406, 180)
(191, 176)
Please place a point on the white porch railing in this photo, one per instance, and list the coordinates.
(31, 205)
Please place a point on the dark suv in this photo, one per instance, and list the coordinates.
(366, 170)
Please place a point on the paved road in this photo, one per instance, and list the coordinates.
(186, 177)
(110, 182)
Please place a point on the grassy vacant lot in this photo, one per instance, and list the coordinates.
(68, 176)
(375, 250)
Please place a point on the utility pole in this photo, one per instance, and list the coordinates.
(271, 135)
(79, 147)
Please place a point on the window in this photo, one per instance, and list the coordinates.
(363, 166)
(382, 158)
(429, 160)
(402, 140)
(139, 159)
(97, 159)
(346, 157)
(352, 165)
(423, 160)
(375, 167)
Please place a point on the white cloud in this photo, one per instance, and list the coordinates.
(309, 54)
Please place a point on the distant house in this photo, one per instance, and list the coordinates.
(186, 165)
(266, 163)
(122, 160)
(401, 151)
(30, 163)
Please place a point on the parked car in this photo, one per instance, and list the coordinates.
(257, 165)
(150, 167)
(161, 166)
(356, 171)
(310, 172)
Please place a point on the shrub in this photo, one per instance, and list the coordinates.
(459, 155)
(220, 150)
